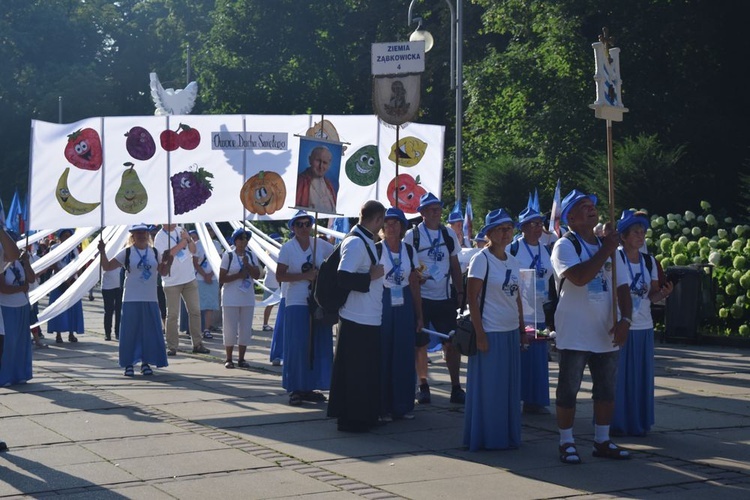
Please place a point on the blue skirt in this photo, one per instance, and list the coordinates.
(397, 339)
(634, 397)
(15, 367)
(277, 339)
(208, 294)
(141, 335)
(70, 320)
(297, 374)
(535, 374)
(492, 417)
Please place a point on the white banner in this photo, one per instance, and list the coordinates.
(191, 168)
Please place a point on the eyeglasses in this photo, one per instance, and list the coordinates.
(534, 223)
(302, 224)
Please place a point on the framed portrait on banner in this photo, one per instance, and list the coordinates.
(318, 175)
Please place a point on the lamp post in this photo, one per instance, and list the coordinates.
(457, 76)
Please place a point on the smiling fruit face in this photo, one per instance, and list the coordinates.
(131, 197)
(84, 149)
(409, 151)
(264, 193)
(407, 190)
(363, 168)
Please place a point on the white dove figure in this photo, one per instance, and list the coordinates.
(171, 101)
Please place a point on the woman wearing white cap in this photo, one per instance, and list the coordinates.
(237, 271)
(492, 419)
(141, 331)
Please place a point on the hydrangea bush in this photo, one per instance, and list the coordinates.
(690, 238)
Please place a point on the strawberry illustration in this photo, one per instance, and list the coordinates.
(191, 189)
(84, 149)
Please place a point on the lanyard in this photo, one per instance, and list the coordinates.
(536, 260)
(17, 280)
(434, 244)
(176, 240)
(142, 259)
(585, 246)
(396, 268)
(634, 279)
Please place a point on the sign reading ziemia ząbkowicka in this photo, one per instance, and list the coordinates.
(249, 140)
(397, 58)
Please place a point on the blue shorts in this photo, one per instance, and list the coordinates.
(603, 369)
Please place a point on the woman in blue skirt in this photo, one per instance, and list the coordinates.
(308, 355)
(141, 333)
(15, 367)
(634, 396)
(71, 319)
(492, 418)
(402, 318)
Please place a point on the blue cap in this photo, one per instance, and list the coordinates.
(138, 227)
(571, 199)
(630, 218)
(276, 237)
(455, 217)
(527, 215)
(238, 232)
(426, 200)
(300, 215)
(61, 231)
(494, 219)
(396, 213)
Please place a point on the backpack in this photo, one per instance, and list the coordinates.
(231, 256)
(127, 258)
(328, 296)
(409, 252)
(646, 257)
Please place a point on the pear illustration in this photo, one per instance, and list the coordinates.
(132, 197)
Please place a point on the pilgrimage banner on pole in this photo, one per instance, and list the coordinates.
(192, 168)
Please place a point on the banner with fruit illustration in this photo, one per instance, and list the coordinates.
(203, 168)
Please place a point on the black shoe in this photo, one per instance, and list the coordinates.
(458, 396)
(107, 336)
(201, 349)
(58, 339)
(72, 338)
(3, 446)
(171, 352)
(423, 395)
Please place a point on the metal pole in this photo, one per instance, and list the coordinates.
(459, 93)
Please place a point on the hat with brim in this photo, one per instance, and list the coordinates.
(527, 215)
(397, 214)
(494, 219)
(455, 217)
(427, 200)
(571, 199)
(238, 232)
(629, 219)
(301, 214)
(276, 237)
(138, 227)
(64, 230)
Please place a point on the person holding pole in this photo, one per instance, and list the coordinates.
(299, 260)
(8, 253)
(584, 321)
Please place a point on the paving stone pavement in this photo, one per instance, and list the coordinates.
(81, 429)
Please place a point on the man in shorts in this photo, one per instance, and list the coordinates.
(584, 322)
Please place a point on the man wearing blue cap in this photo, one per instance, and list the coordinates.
(437, 247)
(585, 335)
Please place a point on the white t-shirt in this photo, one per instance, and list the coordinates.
(182, 270)
(14, 275)
(237, 293)
(584, 314)
(200, 254)
(365, 308)
(538, 258)
(398, 278)
(270, 280)
(111, 279)
(503, 286)
(639, 279)
(140, 281)
(434, 256)
(292, 255)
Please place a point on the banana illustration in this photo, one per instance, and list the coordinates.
(67, 201)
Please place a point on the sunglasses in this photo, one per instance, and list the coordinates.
(303, 224)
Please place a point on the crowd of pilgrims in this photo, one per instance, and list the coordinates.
(402, 279)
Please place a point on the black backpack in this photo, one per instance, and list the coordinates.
(328, 296)
(449, 243)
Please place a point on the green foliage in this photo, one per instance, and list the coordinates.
(506, 182)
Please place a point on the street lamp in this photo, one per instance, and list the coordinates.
(457, 77)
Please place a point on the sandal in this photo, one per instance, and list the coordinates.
(58, 339)
(129, 371)
(229, 364)
(295, 399)
(569, 454)
(146, 370)
(608, 449)
(243, 364)
(72, 338)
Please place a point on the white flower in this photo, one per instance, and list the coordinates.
(689, 215)
(705, 205)
(710, 220)
(714, 257)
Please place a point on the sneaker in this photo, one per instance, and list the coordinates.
(458, 396)
(171, 352)
(207, 334)
(107, 336)
(276, 361)
(423, 395)
(243, 364)
(201, 349)
(267, 328)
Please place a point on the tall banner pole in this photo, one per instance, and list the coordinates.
(608, 106)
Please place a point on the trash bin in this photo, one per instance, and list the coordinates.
(683, 306)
